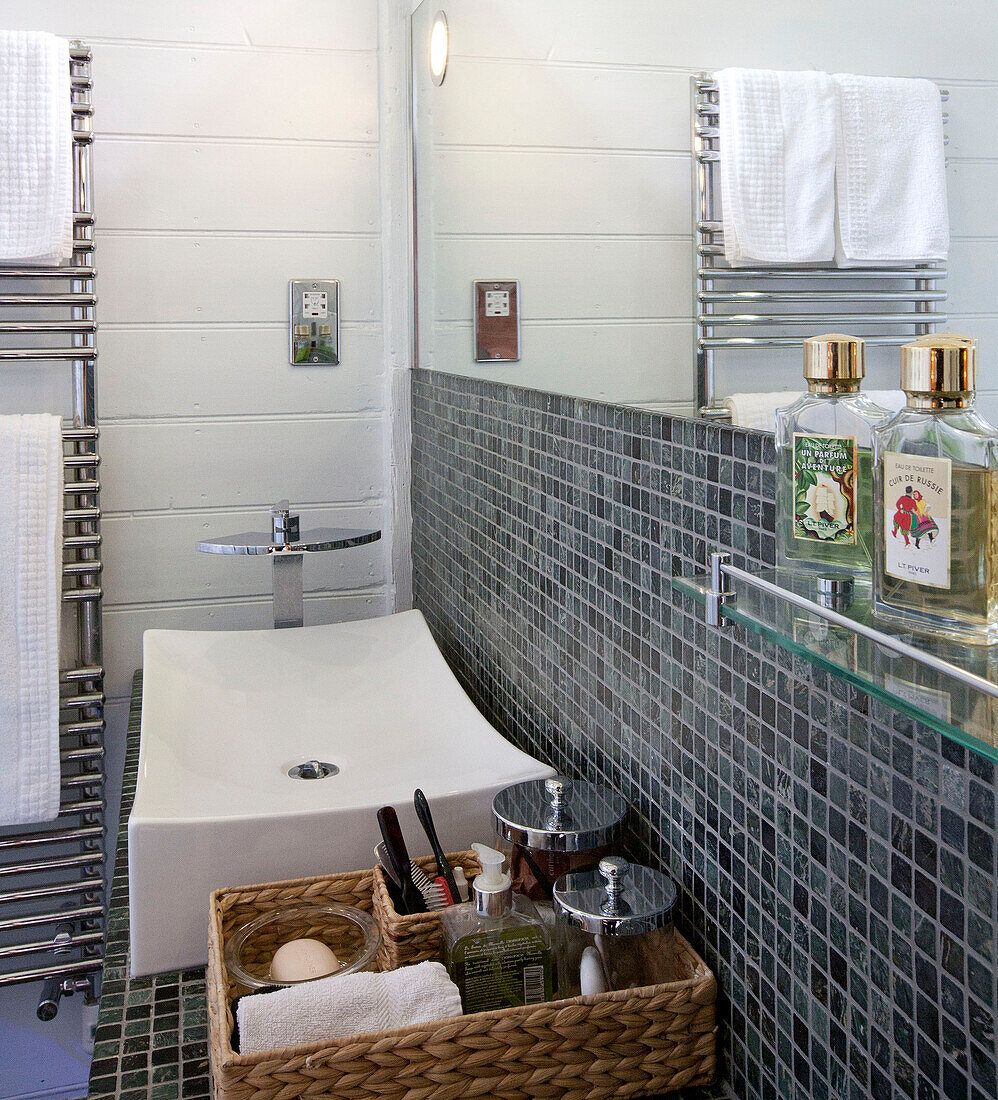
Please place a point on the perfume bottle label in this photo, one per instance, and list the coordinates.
(825, 488)
(917, 502)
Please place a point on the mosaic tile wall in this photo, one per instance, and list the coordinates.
(837, 861)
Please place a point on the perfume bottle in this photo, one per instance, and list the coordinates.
(824, 506)
(935, 497)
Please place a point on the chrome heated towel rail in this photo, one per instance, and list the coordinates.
(52, 877)
(748, 309)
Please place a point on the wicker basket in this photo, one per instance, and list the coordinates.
(410, 939)
(636, 1042)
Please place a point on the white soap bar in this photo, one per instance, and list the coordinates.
(301, 960)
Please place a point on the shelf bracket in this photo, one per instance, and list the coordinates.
(718, 593)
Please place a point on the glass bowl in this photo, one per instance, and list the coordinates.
(350, 933)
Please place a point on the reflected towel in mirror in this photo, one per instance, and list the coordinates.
(758, 410)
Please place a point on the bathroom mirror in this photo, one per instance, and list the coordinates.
(552, 156)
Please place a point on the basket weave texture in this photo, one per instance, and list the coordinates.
(636, 1042)
(414, 937)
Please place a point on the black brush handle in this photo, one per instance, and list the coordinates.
(391, 831)
(426, 820)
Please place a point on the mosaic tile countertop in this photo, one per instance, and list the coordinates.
(151, 1041)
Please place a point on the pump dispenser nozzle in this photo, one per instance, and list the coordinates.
(493, 889)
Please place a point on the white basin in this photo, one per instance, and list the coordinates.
(226, 714)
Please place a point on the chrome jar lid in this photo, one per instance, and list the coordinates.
(834, 357)
(939, 363)
(558, 814)
(616, 899)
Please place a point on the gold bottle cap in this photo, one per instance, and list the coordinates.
(834, 357)
(939, 363)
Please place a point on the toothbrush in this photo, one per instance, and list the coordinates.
(445, 876)
(398, 856)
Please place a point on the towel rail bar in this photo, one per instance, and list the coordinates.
(899, 274)
(87, 807)
(56, 863)
(78, 939)
(82, 271)
(86, 885)
(53, 836)
(83, 700)
(75, 867)
(751, 319)
(820, 296)
(715, 343)
(80, 913)
(88, 752)
(81, 542)
(84, 967)
(75, 675)
(82, 568)
(42, 327)
(28, 355)
(81, 515)
(732, 308)
(84, 779)
(47, 299)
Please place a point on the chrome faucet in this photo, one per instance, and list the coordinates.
(287, 547)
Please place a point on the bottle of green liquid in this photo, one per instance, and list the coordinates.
(496, 947)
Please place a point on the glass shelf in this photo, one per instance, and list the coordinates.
(950, 695)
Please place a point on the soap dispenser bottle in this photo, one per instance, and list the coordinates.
(496, 948)
(824, 505)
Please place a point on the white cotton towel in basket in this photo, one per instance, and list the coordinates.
(36, 149)
(777, 146)
(336, 1008)
(31, 481)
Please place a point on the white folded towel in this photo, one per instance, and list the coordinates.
(31, 473)
(893, 400)
(336, 1008)
(758, 410)
(36, 149)
(777, 144)
(890, 172)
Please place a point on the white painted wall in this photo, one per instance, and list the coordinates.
(557, 152)
(238, 147)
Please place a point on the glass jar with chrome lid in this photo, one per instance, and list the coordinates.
(550, 826)
(615, 928)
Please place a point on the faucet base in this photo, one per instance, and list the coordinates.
(288, 596)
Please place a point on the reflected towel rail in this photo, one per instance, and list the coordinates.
(737, 305)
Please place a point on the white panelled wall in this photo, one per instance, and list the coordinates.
(560, 156)
(238, 146)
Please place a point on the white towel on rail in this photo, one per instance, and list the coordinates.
(758, 410)
(36, 149)
(777, 145)
(31, 484)
(890, 172)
